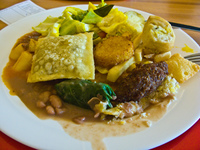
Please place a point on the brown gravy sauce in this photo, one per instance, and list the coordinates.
(92, 130)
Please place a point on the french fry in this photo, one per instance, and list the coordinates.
(102, 70)
(137, 41)
(162, 56)
(24, 62)
(16, 52)
(138, 55)
(116, 71)
(131, 67)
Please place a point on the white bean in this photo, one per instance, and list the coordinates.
(55, 101)
(60, 110)
(44, 96)
(40, 104)
(50, 110)
(79, 120)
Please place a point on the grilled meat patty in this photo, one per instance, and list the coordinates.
(142, 81)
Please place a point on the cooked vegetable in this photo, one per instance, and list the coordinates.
(16, 52)
(101, 4)
(116, 71)
(24, 62)
(133, 25)
(74, 13)
(70, 27)
(46, 26)
(73, 21)
(91, 6)
(103, 11)
(112, 20)
(32, 45)
(79, 92)
(91, 17)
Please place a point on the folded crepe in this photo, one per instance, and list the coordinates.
(69, 56)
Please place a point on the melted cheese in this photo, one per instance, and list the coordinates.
(69, 56)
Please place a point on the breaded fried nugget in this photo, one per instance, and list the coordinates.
(112, 51)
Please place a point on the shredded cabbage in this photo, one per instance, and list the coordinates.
(49, 25)
(96, 19)
(91, 17)
(112, 20)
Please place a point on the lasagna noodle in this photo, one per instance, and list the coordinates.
(69, 56)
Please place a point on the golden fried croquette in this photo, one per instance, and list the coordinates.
(112, 51)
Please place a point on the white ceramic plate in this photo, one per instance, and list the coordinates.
(21, 124)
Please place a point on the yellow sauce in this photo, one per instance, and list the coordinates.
(187, 49)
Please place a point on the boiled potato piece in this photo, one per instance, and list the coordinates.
(16, 52)
(24, 62)
(116, 71)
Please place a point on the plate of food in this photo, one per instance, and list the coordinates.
(96, 77)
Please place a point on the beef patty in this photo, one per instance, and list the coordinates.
(142, 81)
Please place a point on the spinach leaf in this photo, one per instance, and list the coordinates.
(79, 92)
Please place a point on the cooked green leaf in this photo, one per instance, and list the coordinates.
(103, 11)
(79, 92)
(91, 17)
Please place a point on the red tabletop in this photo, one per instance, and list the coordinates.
(190, 140)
